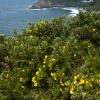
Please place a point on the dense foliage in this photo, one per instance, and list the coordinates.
(52, 60)
(94, 6)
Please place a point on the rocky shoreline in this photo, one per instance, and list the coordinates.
(42, 4)
(47, 4)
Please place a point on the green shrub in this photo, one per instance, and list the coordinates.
(52, 60)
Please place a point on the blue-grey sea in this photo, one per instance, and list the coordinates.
(15, 14)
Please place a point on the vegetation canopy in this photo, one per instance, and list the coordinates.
(52, 60)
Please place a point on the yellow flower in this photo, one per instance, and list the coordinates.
(54, 76)
(73, 87)
(75, 77)
(66, 83)
(46, 56)
(64, 47)
(23, 70)
(63, 74)
(35, 84)
(94, 29)
(84, 93)
(98, 92)
(75, 82)
(40, 69)
(30, 31)
(89, 46)
(72, 90)
(74, 55)
(21, 79)
(98, 81)
(36, 28)
(53, 59)
(31, 36)
(90, 85)
(61, 83)
(33, 79)
(86, 82)
(45, 59)
(42, 22)
(37, 73)
(21, 45)
(42, 98)
(44, 62)
(22, 86)
(43, 66)
(82, 81)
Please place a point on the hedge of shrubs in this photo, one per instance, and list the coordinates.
(52, 60)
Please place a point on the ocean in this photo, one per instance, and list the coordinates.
(15, 14)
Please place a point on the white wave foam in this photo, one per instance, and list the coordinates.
(40, 9)
(36, 9)
(72, 9)
(44, 9)
(72, 15)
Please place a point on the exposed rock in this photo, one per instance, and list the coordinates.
(67, 3)
(44, 4)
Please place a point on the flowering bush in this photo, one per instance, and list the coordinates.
(52, 60)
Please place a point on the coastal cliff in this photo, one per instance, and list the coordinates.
(95, 5)
(55, 3)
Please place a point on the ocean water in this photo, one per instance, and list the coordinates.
(15, 14)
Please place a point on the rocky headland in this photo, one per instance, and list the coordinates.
(55, 3)
(95, 5)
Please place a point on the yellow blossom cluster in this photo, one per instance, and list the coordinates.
(45, 59)
(38, 72)
(34, 81)
(51, 63)
(20, 69)
(72, 89)
(54, 76)
(79, 80)
(34, 78)
(62, 83)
